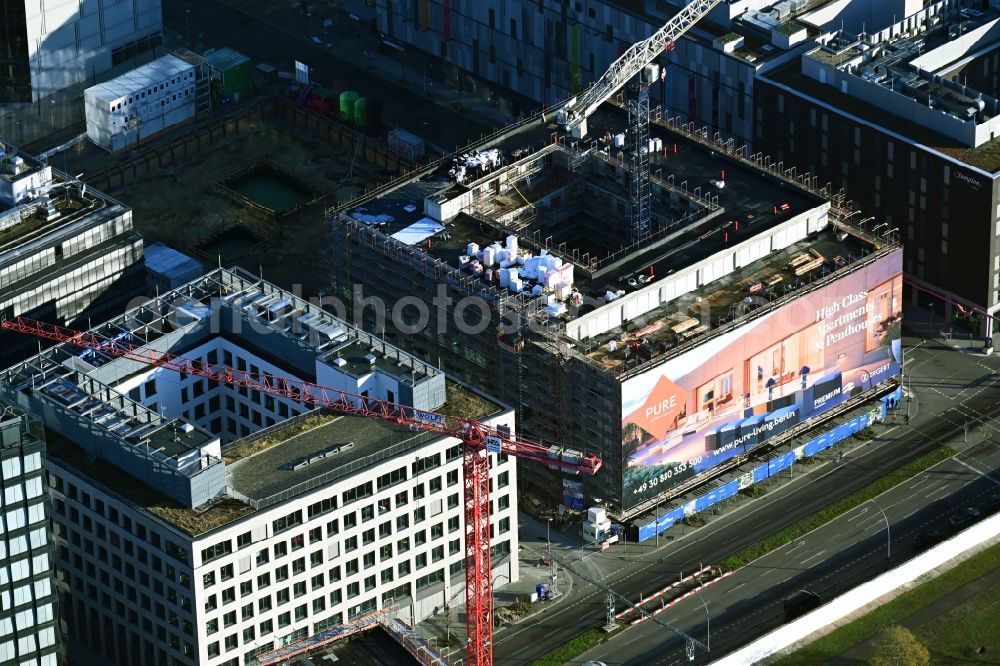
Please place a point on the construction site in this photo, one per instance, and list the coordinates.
(247, 189)
(716, 309)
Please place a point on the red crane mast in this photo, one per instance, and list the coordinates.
(478, 439)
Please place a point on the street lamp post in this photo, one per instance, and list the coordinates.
(708, 621)
(888, 534)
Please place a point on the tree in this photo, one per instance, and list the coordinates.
(897, 646)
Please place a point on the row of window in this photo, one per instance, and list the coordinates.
(140, 95)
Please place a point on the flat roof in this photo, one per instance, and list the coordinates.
(259, 470)
(985, 156)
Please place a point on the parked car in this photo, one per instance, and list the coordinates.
(964, 517)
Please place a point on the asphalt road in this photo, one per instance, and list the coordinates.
(952, 388)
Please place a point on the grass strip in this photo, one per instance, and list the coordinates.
(575, 646)
(844, 638)
(841, 506)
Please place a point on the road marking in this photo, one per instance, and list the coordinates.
(799, 544)
(859, 515)
(978, 471)
(813, 557)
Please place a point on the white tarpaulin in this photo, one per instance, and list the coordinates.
(419, 231)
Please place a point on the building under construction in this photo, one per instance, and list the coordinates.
(748, 307)
(67, 252)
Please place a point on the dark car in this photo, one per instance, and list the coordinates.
(964, 517)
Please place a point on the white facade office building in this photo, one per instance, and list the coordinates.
(141, 102)
(202, 523)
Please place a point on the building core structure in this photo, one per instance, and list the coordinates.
(751, 307)
(68, 253)
(205, 522)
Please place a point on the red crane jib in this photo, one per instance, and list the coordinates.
(473, 433)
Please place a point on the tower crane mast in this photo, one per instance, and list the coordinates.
(574, 115)
(636, 63)
(478, 440)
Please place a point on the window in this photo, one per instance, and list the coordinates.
(208, 579)
(452, 477)
(264, 604)
(403, 545)
(332, 528)
(402, 522)
(266, 627)
(246, 588)
(301, 612)
(420, 538)
(218, 550)
(299, 565)
(315, 559)
(350, 544)
(392, 478)
(280, 549)
(384, 506)
(334, 574)
(385, 552)
(368, 537)
(419, 514)
(299, 589)
(421, 560)
(503, 480)
(430, 579)
(430, 462)
(367, 513)
(287, 522)
(403, 567)
(229, 619)
(453, 524)
(263, 580)
(401, 499)
(211, 626)
(454, 546)
(353, 590)
(503, 502)
(350, 520)
(323, 506)
(284, 619)
(418, 491)
(281, 573)
(243, 540)
(282, 596)
(319, 605)
(298, 541)
(369, 583)
(385, 530)
(211, 603)
(246, 612)
(263, 556)
(369, 560)
(351, 567)
(226, 572)
(358, 492)
(386, 575)
(315, 534)
(228, 595)
(437, 554)
(504, 525)
(453, 500)
(434, 484)
(316, 581)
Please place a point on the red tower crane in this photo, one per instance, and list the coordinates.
(478, 439)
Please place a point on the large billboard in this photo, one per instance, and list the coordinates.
(736, 391)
